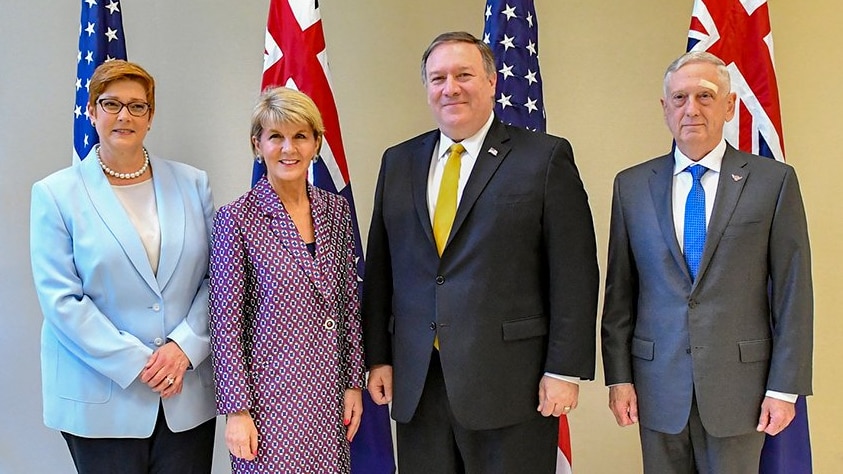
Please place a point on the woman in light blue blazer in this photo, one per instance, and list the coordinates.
(120, 247)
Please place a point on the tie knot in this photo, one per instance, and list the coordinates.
(696, 171)
(457, 149)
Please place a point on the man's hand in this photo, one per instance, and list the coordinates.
(557, 397)
(775, 415)
(624, 403)
(380, 384)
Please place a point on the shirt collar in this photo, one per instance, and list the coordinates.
(713, 160)
(472, 144)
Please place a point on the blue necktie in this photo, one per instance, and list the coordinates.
(694, 240)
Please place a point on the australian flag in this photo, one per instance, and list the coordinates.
(100, 39)
(511, 30)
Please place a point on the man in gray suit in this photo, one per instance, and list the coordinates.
(707, 324)
(479, 329)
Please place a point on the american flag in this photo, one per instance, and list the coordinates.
(100, 39)
(295, 57)
(512, 31)
(738, 32)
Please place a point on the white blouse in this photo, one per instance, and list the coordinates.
(139, 202)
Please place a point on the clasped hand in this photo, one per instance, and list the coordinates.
(164, 371)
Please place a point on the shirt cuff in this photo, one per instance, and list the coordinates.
(785, 397)
(566, 378)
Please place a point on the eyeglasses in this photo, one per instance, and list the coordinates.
(113, 106)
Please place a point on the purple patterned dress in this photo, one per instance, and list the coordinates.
(285, 329)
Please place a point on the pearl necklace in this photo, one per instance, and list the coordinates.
(115, 174)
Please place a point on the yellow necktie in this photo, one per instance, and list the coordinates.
(446, 204)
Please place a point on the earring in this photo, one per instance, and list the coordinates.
(316, 158)
(258, 159)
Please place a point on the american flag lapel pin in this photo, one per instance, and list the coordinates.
(493, 151)
(736, 177)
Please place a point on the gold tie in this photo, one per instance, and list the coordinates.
(446, 204)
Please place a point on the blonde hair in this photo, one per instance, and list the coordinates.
(284, 105)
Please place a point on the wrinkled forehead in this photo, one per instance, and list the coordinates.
(694, 77)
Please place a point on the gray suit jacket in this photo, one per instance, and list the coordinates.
(743, 327)
(514, 293)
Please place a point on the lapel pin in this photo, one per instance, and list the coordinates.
(737, 178)
(493, 151)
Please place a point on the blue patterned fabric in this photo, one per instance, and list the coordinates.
(694, 239)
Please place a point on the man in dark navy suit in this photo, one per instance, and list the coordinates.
(479, 319)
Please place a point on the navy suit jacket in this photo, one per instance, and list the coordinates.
(742, 327)
(514, 292)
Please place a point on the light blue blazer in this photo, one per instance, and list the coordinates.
(105, 312)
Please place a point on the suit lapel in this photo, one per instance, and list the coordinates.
(419, 172)
(484, 168)
(114, 217)
(284, 228)
(171, 218)
(733, 176)
(661, 187)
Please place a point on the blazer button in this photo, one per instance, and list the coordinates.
(440, 279)
(433, 326)
(156, 307)
(688, 350)
(158, 342)
(692, 304)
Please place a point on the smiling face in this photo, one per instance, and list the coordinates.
(459, 92)
(287, 150)
(121, 132)
(696, 105)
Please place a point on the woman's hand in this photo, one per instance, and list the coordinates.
(241, 435)
(352, 411)
(164, 371)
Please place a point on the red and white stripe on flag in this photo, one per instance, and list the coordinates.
(295, 57)
(738, 32)
(563, 454)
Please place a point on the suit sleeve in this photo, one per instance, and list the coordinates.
(792, 305)
(192, 333)
(228, 317)
(73, 317)
(573, 276)
(377, 285)
(619, 302)
(353, 348)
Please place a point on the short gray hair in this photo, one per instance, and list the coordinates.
(700, 57)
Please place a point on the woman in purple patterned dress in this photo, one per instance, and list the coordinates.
(285, 321)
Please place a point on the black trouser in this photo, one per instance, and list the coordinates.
(186, 452)
(433, 441)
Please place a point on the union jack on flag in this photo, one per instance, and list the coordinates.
(512, 31)
(100, 39)
(295, 57)
(738, 32)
